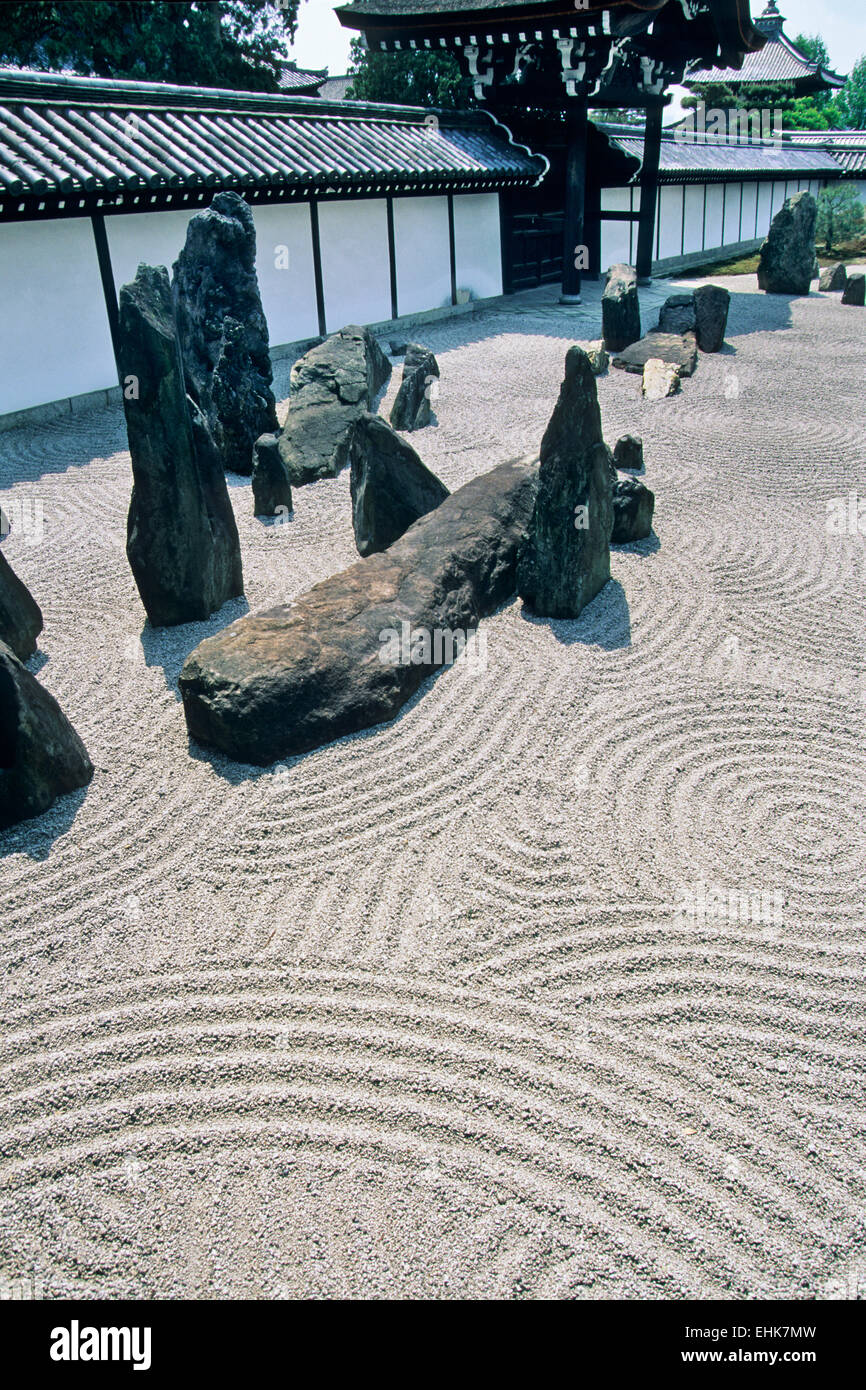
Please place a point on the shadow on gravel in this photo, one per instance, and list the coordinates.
(36, 837)
(169, 647)
(604, 622)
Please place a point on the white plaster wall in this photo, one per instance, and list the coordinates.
(715, 197)
(154, 237)
(750, 206)
(615, 246)
(765, 199)
(694, 232)
(778, 195)
(55, 340)
(355, 270)
(477, 244)
(288, 296)
(670, 218)
(731, 228)
(422, 253)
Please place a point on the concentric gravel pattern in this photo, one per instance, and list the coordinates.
(488, 1001)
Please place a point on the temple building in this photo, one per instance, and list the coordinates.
(778, 61)
(541, 65)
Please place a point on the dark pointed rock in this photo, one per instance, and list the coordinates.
(286, 680)
(628, 453)
(182, 540)
(833, 277)
(391, 487)
(677, 314)
(620, 311)
(633, 505)
(411, 408)
(272, 491)
(222, 328)
(855, 288)
(331, 387)
(41, 755)
(20, 614)
(565, 560)
(711, 316)
(787, 256)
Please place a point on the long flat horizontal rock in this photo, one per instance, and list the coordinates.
(294, 677)
(680, 350)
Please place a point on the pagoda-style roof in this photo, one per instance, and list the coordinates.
(778, 61)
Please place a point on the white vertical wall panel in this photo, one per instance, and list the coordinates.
(614, 244)
(154, 237)
(288, 295)
(477, 244)
(765, 202)
(355, 269)
(750, 207)
(670, 220)
(731, 228)
(778, 195)
(694, 220)
(55, 340)
(422, 253)
(713, 228)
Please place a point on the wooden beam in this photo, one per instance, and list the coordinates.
(649, 181)
(106, 275)
(575, 192)
(317, 267)
(392, 257)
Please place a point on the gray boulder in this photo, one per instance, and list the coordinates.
(20, 615)
(411, 408)
(833, 277)
(628, 453)
(678, 350)
(620, 310)
(286, 680)
(272, 491)
(855, 289)
(41, 755)
(222, 329)
(182, 540)
(677, 314)
(711, 316)
(330, 388)
(787, 256)
(633, 505)
(565, 559)
(391, 488)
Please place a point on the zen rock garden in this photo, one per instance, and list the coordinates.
(194, 358)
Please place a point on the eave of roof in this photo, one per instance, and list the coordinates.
(113, 142)
(778, 61)
(684, 161)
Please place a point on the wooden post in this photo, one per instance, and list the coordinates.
(649, 179)
(575, 181)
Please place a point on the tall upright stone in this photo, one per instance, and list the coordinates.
(411, 408)
(620, 310)
(711, 316)
(41, 755)
(222, 329)
(787, 257)
(182, 540)
(565, 559)
(20, 614)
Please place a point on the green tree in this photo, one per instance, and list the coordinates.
(209, 43)
(852, 98)
(414, 78)
(813, 47)
(840, 215)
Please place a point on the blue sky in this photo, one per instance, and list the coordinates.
(322, 42)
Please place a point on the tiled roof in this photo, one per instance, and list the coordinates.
(848, 147)
(65, 136)
(777, 61)
(687, 160)
(302, 79)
